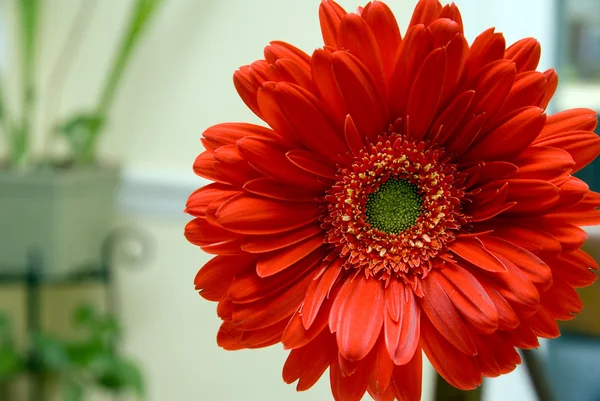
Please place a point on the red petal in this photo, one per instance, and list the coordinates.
(310, 362)
(204, 166)
(472, 250)
(305, 113)
(448, 120)
(278, 50)
(383, 24)
(247, 80)
(269, 158)
(250, 287)
(443, 30)
(456, 52)
(276, 261)
(451, 11)
(525, 53)
(326, 85)
(444, 316)
(393, 297)
(496, 355)
(544, 163)
(229, 133)
(562, 301)
(532, 196)
(270, 310)
(252, 215)
(536, 269)
(318, 291)
(492, 171)
(264, 337)
(515, 287)
(272, 115)
(509, 139)
(354, 140)
(311, 163)
(330, 14)
(544, 325)
(201, 232)
(270, 188)
(583, 146)
(290, 71)
(526, 236)
(460, 370)
(266, 243)
(296, 335)
(552, 78)
(407, 379)
(361, 95)
(416, 45)
(381, 371)
(528, 90)
(425, 12)
(492, 84)
(569, 120)
(470, 298)
(361, 317)
(425, 94)
(355, 35)
(575, 268)
(463, 139)
(402, 335)
(214, 277)
(348, 388)
(198, 201)
(486, 48)
(507, 318)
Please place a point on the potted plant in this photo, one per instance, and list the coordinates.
(11, 361)
(66, 369)
(61, 205)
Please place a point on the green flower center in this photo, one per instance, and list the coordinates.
(394, 207)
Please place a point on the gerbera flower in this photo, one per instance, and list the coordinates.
(409, 194)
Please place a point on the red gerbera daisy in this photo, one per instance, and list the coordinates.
(410, 194)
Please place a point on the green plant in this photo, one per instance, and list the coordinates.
(11, 362)
(83, 129)
(90, 361)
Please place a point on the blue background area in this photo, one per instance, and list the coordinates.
(591, 175)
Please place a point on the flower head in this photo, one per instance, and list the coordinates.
(409, 194)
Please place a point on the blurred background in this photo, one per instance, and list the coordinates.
(103, 102)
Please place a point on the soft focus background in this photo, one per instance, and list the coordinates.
(179, 82)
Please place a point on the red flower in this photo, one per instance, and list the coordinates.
(410, 194)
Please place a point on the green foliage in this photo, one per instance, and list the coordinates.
(141, 14)
(92, 360)
(81, 130)
(11, 363)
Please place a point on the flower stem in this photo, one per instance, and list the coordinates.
(446, 392)
(22, 132)
(141, 14)
(537, 376)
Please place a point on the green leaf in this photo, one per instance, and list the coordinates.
(141, 14)
(52, 352)
(78, 129)
(11, 363)
(29, 10)
(72, 391)
(85, 353)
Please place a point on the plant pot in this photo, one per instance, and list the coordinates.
(62, 215)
